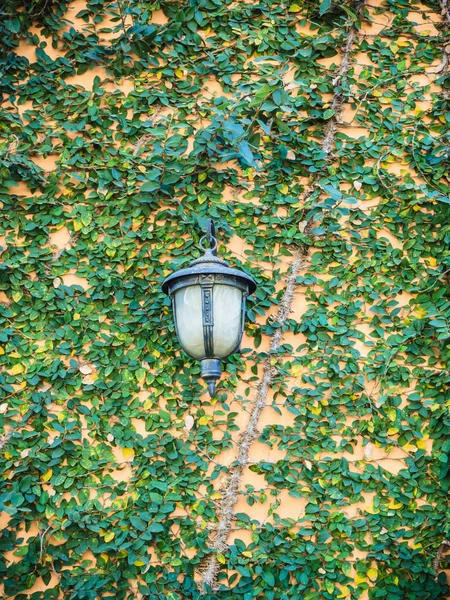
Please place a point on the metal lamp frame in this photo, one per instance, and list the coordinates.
(206, 272)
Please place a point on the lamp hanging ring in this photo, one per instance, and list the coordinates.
(209, 237)
(208, 244)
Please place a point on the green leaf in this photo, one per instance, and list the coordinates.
(13, 25)
(245, 152)
(324, 6)
(268, 578)
(22, 551)
(150, 186)
(262, 94)
(332, 191)
(138, 523)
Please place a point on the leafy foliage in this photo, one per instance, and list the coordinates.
(113, 455)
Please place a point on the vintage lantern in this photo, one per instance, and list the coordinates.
(208, 300)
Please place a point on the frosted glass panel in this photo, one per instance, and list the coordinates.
(227, 303)
(188, 309)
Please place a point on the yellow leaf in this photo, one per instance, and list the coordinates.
(393, 47)
(372, 510)
(76, 317)
(17, 369)
(159, 75)
(221, 559)
(247, 554)
(77, 224)
(345, 591)
(391, 414)
(409, 448)
(179, 73)
(90, 379)
(295, 8)
(16, 296)
(421, 444)
(296, 370)
(403, 44)
(393, 504)
(104, 556)
(432, 261)
(372, 574)
(329, 586)
(140, 375)
(204, 420)
(138, 563)
(47, 476)
(284, 189)
(392, 430)
(1, 351)
(128, 453)
(109, 536)
(316, 410)
(216, 496)
(359, 579)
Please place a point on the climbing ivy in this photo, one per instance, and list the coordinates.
(123, 126)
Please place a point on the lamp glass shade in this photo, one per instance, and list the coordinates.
(188, 313)
(227, 319)
(227, 303)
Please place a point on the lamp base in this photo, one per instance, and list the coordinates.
(211, 373)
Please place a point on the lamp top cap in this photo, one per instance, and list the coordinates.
(209, 264)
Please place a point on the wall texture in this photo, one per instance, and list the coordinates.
(316, 135)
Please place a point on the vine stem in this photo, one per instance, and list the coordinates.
(248, 436)
(435, 565)
(445, 10)
(231, 489)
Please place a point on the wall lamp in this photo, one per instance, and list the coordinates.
(208, 300)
